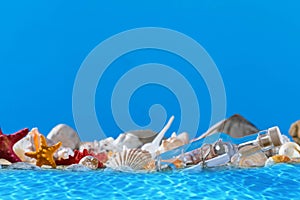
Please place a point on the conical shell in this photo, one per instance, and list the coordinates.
(129, 160)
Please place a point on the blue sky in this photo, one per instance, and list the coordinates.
(255, 45)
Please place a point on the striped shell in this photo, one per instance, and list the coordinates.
(130, 160)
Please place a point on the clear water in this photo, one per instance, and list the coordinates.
(280, 182)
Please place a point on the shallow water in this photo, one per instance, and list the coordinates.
(280, 181)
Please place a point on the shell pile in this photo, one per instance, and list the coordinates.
(130, 160)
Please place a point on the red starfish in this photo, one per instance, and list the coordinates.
(78, 155)
(7, 142)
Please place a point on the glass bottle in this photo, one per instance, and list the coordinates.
(265, 142)
(262, 141)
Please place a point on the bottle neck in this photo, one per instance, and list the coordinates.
(264, 140)
(267, 139)
(253, 139)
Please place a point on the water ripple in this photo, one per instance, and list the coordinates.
(279, 182)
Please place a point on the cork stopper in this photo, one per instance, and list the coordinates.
(275, 136)
(265, 141)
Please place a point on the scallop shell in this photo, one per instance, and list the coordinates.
(150, 166)
(129, 160)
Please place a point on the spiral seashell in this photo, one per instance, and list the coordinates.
(290, 149)
(129, 160)
(30, 142)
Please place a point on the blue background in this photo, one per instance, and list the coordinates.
(255, 45)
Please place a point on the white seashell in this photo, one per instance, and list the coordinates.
(129, 160)
(94, 147)
(22, 146)
(65, 134)
(106, 145)
(128, 140)
(87, 145)
(290, 149)
(26, 144)
(269, 162)
(285, 139)
(154, 145)
(64, 153)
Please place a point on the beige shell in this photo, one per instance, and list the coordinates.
(255, 159)
(295, 131)
(173, 142)
(290, 149)
(129, 160)
(90, 162)
(4, 162)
